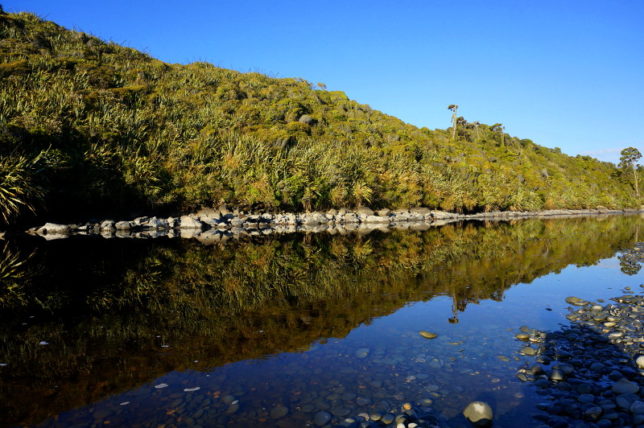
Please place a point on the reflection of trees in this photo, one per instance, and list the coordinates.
(12, 273)
(212, 302)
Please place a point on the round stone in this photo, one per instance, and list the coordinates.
(362, 401)
(637, 408)
(624, 386)
(556, 375)
(375, 416)
(640, 362)
(387, 419)
(362, 353)
(576, 301)
(279, 411)
(593, 413)
(528, 351)
(427, 334)
(322, 418)
(479, 413)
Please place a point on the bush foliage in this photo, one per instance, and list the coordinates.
(116, 130)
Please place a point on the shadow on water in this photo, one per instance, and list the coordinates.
(586, 372)
(107, 308)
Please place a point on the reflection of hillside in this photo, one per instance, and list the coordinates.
(110, 300)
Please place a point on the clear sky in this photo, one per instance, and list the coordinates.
(566, 74)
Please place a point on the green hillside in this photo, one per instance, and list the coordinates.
(94, 128)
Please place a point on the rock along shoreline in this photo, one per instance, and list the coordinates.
(211, 225)
(591, 372)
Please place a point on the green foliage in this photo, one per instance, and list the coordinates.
(125, 131)
(12, 276)
(629, 157)
(628, 160)
(17, 190)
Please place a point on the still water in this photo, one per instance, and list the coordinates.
(269, 331)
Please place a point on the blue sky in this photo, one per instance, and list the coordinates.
(566, 74)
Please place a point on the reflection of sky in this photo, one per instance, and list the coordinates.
(612, 263)
(484, 333)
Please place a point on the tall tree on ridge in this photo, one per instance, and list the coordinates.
(629, 158)
(500, 128)
(476, 129)
(454, 109)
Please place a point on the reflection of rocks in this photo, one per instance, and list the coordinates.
(588, 371)
(333, 221)
(631, 260)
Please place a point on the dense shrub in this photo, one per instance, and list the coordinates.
(124, 131)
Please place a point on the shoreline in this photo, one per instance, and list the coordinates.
(589, 371)
(209, 225)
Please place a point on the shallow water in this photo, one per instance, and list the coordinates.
(272, 330)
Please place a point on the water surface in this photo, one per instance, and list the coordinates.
(176, 333)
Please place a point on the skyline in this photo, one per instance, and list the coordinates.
(561, 75)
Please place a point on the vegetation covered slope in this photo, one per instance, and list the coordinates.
(107, 129)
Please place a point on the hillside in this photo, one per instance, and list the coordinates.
(94, 128)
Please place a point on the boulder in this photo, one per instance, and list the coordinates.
(349, 218)
(139, 221)
(172, 222)
(187, 222)
(364, 212)
(375, 219)
(156, 223)
(236, 222)
(123, 225)
(54, 229)
(208, 213)
(224, 210)
(310, 219)
(421, 211)
(441, 215)
(107, 225)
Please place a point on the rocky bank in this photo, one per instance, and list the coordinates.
(215, 224)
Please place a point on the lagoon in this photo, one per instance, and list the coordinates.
(296, 330)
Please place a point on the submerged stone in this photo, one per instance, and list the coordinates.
(479, 413)
(576, 301)
(322, 418)
(362, 353)
(279, 412)
(624, 386)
